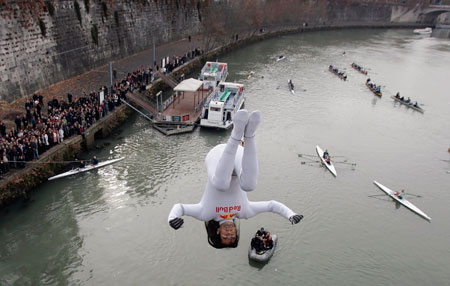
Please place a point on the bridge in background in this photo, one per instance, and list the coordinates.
(430, 13)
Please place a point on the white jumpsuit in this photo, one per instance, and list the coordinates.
(225, 196)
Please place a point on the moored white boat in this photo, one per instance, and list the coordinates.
(212, 73)
(329, 166)
(425, 31)
(220, 109)
(402, 201)
(85, 169)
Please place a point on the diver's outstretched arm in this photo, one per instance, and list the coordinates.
(255, 208)
(179, 210)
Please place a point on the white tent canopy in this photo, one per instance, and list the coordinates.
(190, 84)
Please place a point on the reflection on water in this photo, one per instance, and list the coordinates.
(110, 226)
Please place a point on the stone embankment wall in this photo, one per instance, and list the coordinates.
(46, 41)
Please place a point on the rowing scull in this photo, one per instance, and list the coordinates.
(329, 166)
(402, 201)
(85, 169)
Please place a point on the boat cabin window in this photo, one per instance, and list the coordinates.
(215, 109)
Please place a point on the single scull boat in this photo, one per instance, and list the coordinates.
(329, 166)
(85, 169)
(402, 201)
(291, 86)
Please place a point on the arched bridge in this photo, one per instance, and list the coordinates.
(430, 13)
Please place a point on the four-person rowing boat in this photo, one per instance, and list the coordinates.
(409, 104)
(374, 90)
(327, 164)
(85, 169)
(402, 200)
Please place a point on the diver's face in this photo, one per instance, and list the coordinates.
(227, 232)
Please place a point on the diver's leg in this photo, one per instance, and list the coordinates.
(249, 174)
(225, 166)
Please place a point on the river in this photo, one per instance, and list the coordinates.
(109, 227)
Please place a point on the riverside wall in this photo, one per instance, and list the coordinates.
(43, 42)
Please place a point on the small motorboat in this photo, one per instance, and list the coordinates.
(425, 31)
(265, 255)
(280, 58)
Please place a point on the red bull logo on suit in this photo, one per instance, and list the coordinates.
(228, 209)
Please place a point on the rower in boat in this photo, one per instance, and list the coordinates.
(400, 195)
(325, 154)
(291, 85)
(416, 104)
(82, 164)
(94, 161)
(397, 95)
(378, 89)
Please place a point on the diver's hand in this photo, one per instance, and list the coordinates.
(176, 223)
(295, 219)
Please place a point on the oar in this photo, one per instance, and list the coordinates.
(303, 162)
(353, 164)
(376, 197)
(418, 196)
(301, 155)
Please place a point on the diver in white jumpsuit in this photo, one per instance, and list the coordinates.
(232, 172)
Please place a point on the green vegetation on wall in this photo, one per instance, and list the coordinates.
(50, 8)
(86, 5)
(77, 10)
(116, 18)
(43, 28)
(105, 9)
(94, 34)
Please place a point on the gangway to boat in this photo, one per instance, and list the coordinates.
(168, 79)
(137, 110)
(141, 103)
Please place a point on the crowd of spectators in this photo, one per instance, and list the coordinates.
(36, 131)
